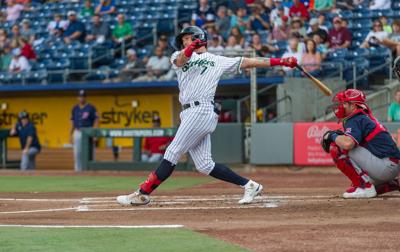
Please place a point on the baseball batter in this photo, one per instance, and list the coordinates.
(198, 73)
(364, 151)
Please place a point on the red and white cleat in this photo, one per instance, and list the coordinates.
(360, 193)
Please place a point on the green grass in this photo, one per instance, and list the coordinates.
(87, 184)
(108, 239)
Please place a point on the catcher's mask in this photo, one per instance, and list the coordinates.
(348, 96)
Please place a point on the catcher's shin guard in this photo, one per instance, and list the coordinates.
(357, 176)
(157, 177)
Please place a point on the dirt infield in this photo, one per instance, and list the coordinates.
(299, 211)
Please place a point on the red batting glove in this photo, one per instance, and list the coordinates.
(193, 46)
(287, 62)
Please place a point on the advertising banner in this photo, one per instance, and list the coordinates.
(307, 143)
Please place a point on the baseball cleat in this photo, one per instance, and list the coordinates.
(134, 199)
(251, 190)
(361, 193)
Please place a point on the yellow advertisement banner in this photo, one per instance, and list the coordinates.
(52, 115)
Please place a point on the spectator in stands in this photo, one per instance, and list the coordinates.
(5, 60)
(293, 51)
(87, 10)
(57, 27)
(4, 40)
(157, 66)
(238, 36)
(394, 109)
(203, 14)
(18, 63)
(27, 32)
(380, 5)
(240, 20)
(223, 22)
(393, 41)
(323, 6)
(297, 26)
(278, 11)
(339, 36)
(132, 68)
(311, 59)
(16, 35)
(375, 37)
(76, 30)
(163, 43)
(14, 10)
(262, 50)
(105, 7)
(26, 49)
(215, 45)
(258, 18)
(281, 31)
(315, 29)
(386, 26)
(99, 32)
(26, 131)
(154, 147)
(322, 22)
(322, 48)
(123, 31)
(212, 32)
(232, 45)
(299, 10)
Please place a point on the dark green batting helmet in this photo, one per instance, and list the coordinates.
(196, 32)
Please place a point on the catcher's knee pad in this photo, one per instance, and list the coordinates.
(344, 164)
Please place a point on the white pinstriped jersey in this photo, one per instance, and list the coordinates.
(198, 78)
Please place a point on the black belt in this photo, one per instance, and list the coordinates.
(197, 103)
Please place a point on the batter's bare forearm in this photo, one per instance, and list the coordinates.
(181, 59)
(255, 62)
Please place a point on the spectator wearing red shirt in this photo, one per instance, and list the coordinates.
(26, 49)
(298, 9)
(339, 36)
(154, 147)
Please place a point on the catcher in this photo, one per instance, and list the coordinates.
(365, 152)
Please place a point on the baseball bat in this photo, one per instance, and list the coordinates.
(327, 91)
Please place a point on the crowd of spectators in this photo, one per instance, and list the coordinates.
(271, 27)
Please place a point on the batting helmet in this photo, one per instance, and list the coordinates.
(396, 67)
(350, 95)
(196, 32)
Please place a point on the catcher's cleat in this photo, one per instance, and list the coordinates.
(134, 199)
(361, 193)
(251, 190)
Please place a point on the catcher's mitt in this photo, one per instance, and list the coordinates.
(326, 139)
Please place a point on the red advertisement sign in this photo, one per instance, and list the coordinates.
(307, 143)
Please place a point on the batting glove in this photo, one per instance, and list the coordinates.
(287, 62)
(193, 46)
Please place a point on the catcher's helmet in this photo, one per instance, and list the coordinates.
(196, 32)
(396, 67)
(350, 95)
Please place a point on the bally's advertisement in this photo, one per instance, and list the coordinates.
(52, 115)
(307, 143)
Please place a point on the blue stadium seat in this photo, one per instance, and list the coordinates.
(338, 54)
(357, 53)
(363, 13)
(346, 14)
(379, 13)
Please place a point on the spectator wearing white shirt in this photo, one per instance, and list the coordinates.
(57, 26)
(19, 63)
(232, 45)
(294, 50)
(380, 5)
(278, 12)
(157, 66)
(215, 45)
(376, 36)
(14, 10)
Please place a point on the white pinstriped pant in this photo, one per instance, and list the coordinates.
(194, 135)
